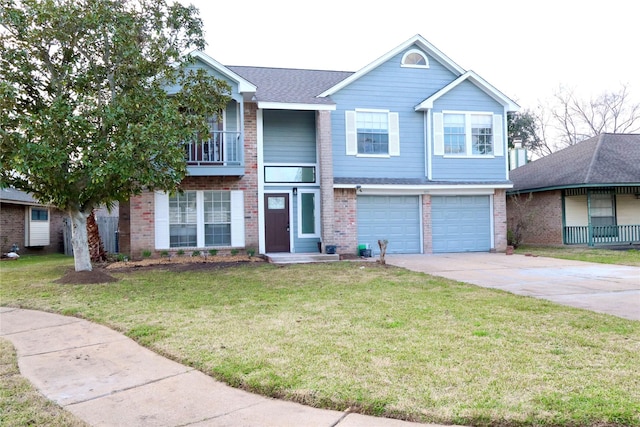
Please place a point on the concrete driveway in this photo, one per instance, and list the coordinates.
(604, 288)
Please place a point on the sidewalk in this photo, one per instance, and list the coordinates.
(107, 379)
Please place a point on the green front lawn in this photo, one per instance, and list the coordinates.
(583, 253)
(379, 340)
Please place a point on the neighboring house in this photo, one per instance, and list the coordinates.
(411, 149)
(588, 193)
(32, 226)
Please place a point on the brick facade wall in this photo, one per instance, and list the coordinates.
(500, 220)
(427, 244)
(345, 226)
(137, 221)
(325, 153)
(12, 230)
(541, 215)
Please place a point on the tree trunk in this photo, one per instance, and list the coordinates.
(79, 241)
(96, 248)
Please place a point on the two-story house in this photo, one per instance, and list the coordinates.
(410, 149)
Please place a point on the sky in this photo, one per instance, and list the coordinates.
(525, 48)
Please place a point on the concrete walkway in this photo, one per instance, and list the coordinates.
(107, 379)
(604, 288)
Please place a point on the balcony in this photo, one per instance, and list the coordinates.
(601, 235)
(220, 155)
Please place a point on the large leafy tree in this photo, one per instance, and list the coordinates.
(85, 115)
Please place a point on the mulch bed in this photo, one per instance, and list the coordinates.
(100, 272)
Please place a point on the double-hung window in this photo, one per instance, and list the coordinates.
(603, 215)
(372, 133)
(467, 134)
(481, 134)
(182, 220)
(217, 218)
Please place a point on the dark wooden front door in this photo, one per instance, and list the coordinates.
(276, 222)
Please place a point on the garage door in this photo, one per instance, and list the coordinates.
(394, 218)
(461, 223)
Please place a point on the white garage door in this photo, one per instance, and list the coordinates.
(461, 223)
(394, 218)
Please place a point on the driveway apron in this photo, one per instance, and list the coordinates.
(604, 288)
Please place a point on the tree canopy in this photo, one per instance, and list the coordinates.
(85, 117)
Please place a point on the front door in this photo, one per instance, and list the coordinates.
(276, 222)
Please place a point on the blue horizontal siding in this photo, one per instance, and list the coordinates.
(197, 65)
(397, 89)
(289, 136)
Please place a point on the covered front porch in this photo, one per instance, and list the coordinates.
(601, 216)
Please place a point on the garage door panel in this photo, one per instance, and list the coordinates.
(461, 223)
(395, 218)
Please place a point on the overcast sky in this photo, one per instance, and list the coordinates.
(525, 49)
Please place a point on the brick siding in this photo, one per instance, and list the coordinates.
(500, 220)
(345, 226)
(12, 230)
(541, 216)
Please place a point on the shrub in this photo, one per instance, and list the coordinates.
(234, 252)
(251, 252)
(146, 253)
(195, 253)
(213, 252)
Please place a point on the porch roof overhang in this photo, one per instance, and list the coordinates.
(572, 186)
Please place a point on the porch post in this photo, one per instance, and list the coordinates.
(589, 225)
(325, 160)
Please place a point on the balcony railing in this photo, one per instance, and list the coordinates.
(602, 234)
(221, 149)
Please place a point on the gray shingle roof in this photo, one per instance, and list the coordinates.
(606, 159)
(287, 85)
(11, 195)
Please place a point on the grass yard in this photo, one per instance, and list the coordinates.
(584, 253)
(381, 340)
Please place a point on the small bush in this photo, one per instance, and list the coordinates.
(164, 254)
(251, 252)
(213, 252)
(180, 252)
(234, 252)
(146, 253)
(195, 253)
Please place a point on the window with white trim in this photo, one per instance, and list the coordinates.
(308, 213)
(183, 230)
(217, 218)
(373, 133)
(459, 133)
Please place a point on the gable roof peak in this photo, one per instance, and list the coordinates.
(418, 40)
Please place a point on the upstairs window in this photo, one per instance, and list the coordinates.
(372, 133)
(467, 134)
(481, 134)
(415, 59)
(454, 134)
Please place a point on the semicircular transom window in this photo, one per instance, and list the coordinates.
(415, 58)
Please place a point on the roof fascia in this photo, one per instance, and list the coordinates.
(244, 86)
(294, 106)
(481, 83)
(418, 40)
